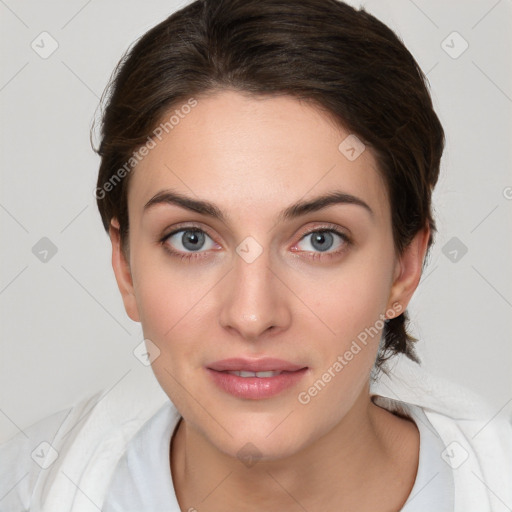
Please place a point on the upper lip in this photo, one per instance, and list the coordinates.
(254, 365)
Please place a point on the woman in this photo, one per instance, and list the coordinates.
(266, 177)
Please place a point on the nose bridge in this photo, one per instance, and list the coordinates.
(253, 301)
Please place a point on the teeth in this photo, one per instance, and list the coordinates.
(242, 373)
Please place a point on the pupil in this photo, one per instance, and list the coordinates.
(320, 238)
(192, 240)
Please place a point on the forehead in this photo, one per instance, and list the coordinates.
(248, 152)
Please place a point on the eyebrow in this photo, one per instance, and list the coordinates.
(291, 212)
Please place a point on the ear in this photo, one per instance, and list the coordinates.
(408, 269)
(122, 272)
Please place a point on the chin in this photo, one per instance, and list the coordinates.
(259, 437)
(251, 450)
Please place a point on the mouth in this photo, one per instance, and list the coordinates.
(260, 375)
(255, 379)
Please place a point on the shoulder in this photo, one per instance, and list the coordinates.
(26, 455)
(76, 447)
(476, 440)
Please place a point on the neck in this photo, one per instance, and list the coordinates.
(367, 462)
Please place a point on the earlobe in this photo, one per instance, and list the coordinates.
(122, 272)
(407, 273)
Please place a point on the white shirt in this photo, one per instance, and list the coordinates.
(113, 451)
(142, 480)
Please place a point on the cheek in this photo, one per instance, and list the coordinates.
(350, 306)
(165, 304)
(349, 298)
(175, 303)
(173, 311)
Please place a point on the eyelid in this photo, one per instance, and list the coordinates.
(346, 240)
(185, 256)
(191, 226)
(326, 226)
(185, 226)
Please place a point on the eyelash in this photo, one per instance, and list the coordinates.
(314, 256)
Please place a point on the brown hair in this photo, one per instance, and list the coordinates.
(343, 60)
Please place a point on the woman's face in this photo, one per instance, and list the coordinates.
(252, 278)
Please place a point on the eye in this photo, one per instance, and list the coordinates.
(187, 240)
(324, 241)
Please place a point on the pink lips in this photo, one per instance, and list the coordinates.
(254, 365)
(285, 375)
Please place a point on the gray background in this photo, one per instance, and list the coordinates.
(64, 332)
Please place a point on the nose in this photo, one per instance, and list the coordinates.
(254, 302)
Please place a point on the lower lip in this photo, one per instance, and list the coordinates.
(256, 388)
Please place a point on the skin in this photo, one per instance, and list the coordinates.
(253, 157)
